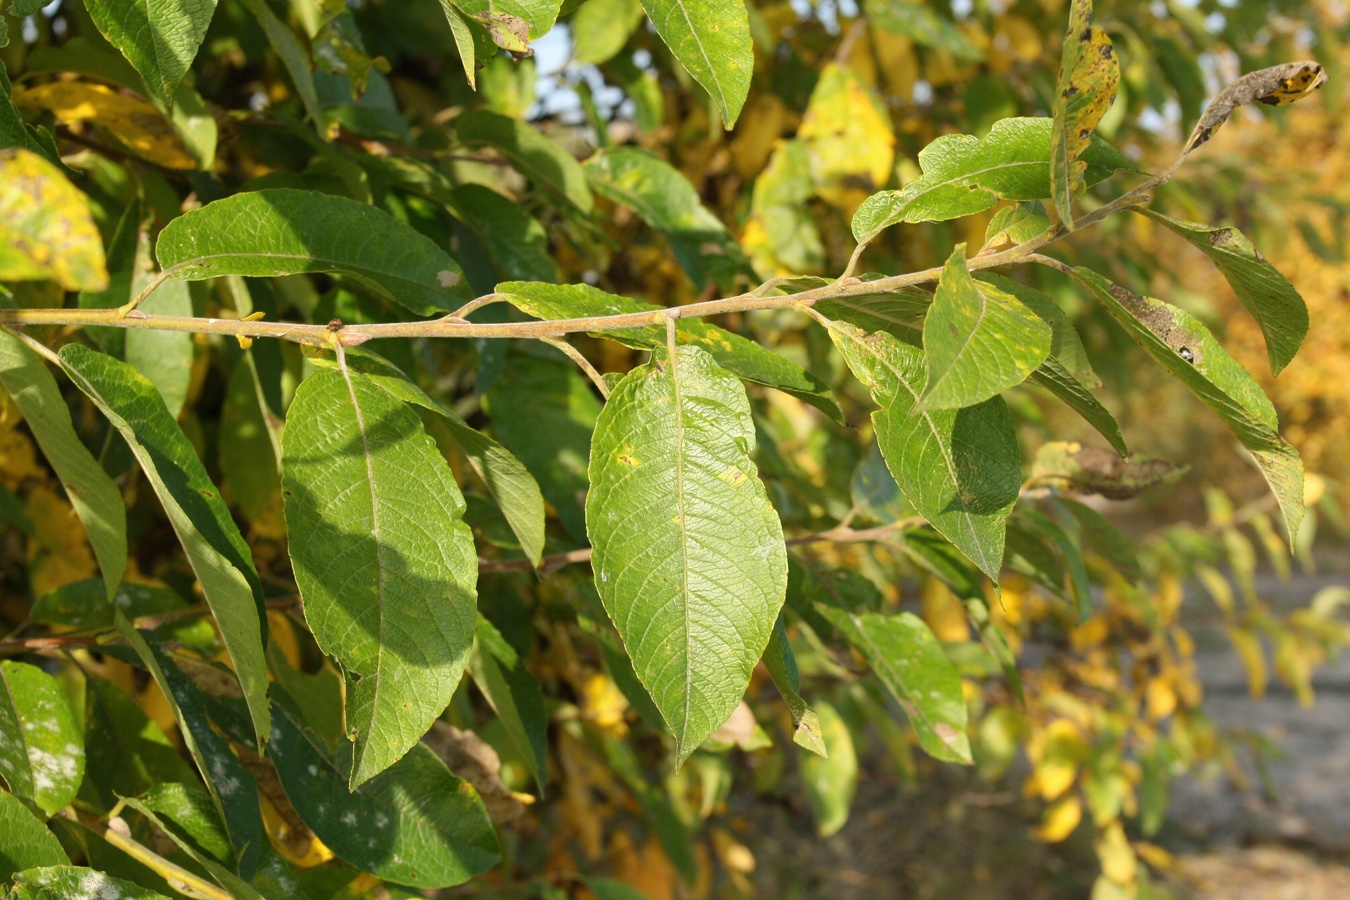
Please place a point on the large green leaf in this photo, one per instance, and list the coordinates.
(75, 881)
(41, 742)
(418, 824)
(979, 340)
(96, 499)
(1267, 294)
(515, 696)
(1085, 91)
(746, 358)
(959, 468)
(536, 157)
(281, 232)
(507, 479)
(664, 198)
(158, 37)
(601, 28)
(688, 552)
(24, 841)
(711, 39)
(382, 557)
(215, 548)
(963, 175)
(233, 789)
(1185, 348)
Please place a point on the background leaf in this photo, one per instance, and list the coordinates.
(782, 665)
(539, 159)
(382, 558)
(96, 499)
(279, 232)
(46, 231)
(830, 782)
(515, 696)
(688, 553)
(24, 841)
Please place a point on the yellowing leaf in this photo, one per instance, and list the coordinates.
(604, 704)
(46, 231)
(848, 137)
(131, 120)
(1116, 855)
(1060, 820)
(943, 612)
(1088, 75)
(1057, 752)
(1159, 698)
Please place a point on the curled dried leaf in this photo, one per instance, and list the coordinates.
(1078, 469)
(1275, 86)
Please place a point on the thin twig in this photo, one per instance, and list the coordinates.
(473, 305)
(582, 363)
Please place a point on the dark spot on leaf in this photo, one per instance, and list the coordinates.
(1087, 33)
(1106, 51)
(1084, 134)
(1071, 90)
(1220, 236)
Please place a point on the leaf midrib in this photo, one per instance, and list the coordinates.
(684, 540)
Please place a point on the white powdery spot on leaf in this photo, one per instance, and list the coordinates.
(447, 278)
(97, 886)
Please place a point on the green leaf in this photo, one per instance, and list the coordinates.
(234, 885)
(746, 358)
(127, 753)
(41, 743)
(382, 557)
(279, 232)
(711, 39)
(233, 788)
(664, 199)
(419, 825)
(24, 841)
(782, 666)
(914, 20)
(1267, 294)
(959, 468)
(899, 314)
(1216, 378)
(75, 881)
(780, 236)
(1017, 223)
(1066, 373)
(14, 132)
(516, 240)
(1088, 75)
(215, 549)
(688, 552)
(609, 888)
(293, 55)
(249, 464)
(96, 499)
(963, 175)
(601, 28)
(979, 340)
(515, 696)
(534, 396)
(873, 491)
(830, 783)
(47, 232)
(158, 37)
(536, 157)
(464, 42)
(507, 479)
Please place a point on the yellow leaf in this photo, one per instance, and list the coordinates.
(131, 120)
(1249, 650)
(763, 121)
(1060, 820)
(898, 62)
(46, 231)
(1057, 752)
(59, 552)
(1092, 633)
(1159, 698)
(943, 612)
(1116, 855)
(848, 137)
(604, 704)
(1015, 41)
